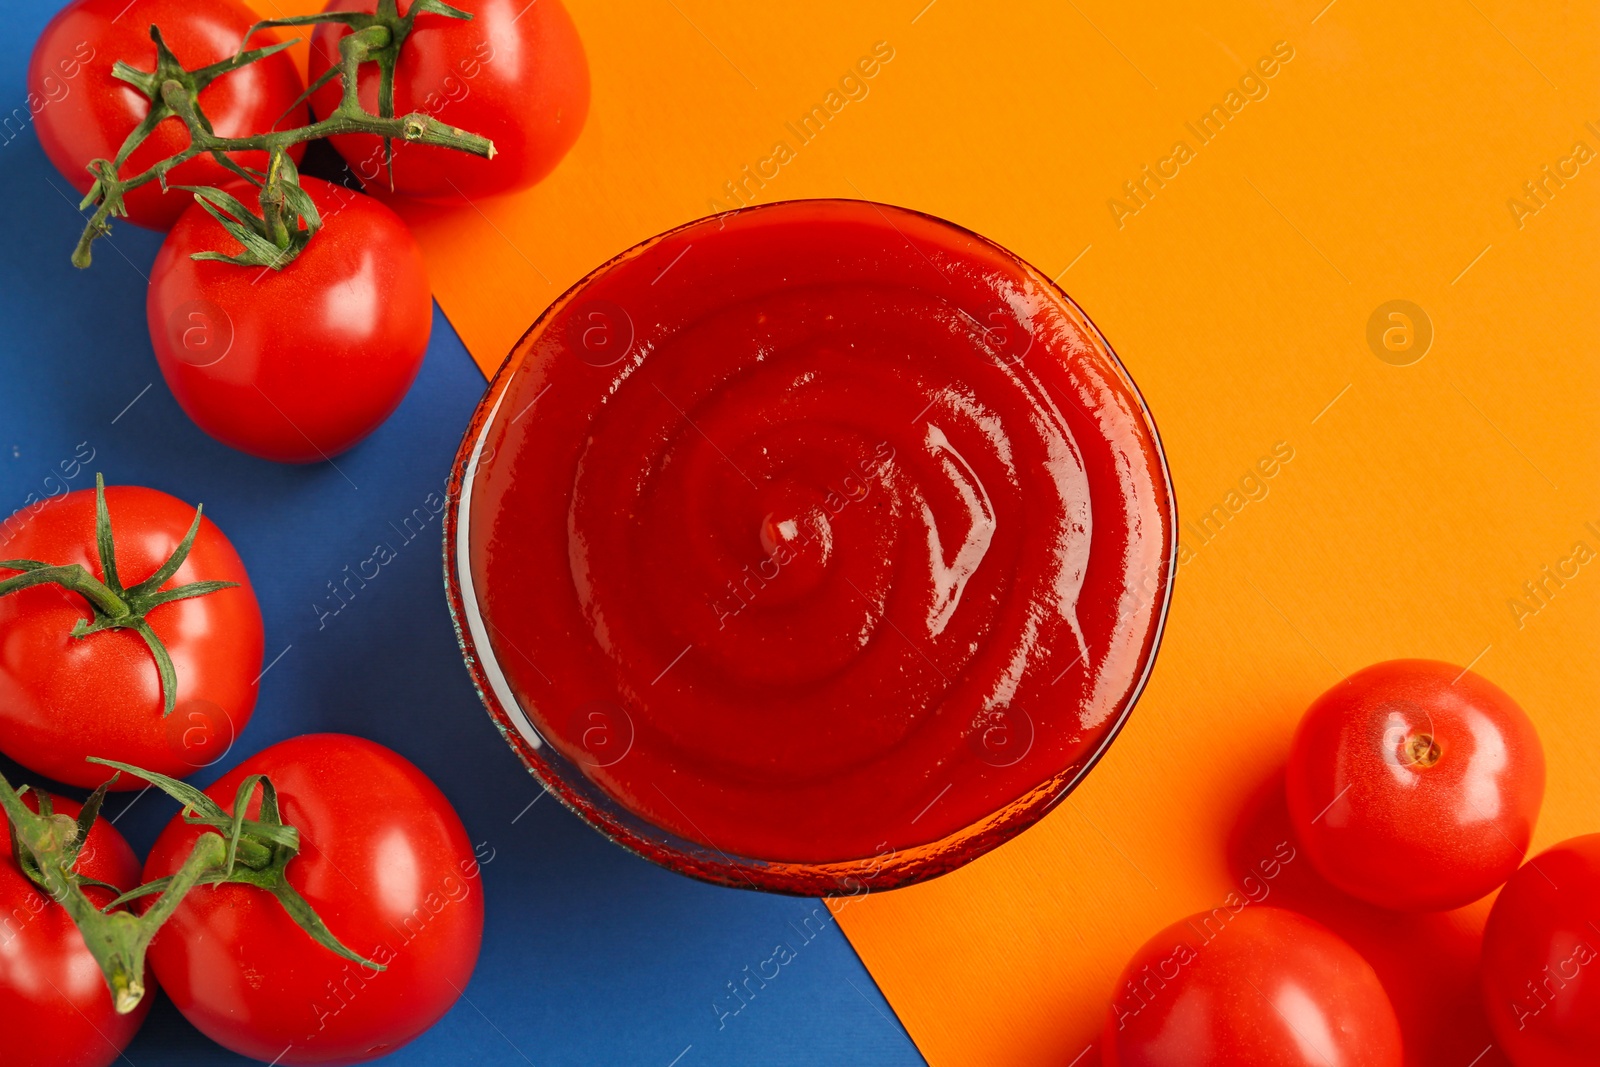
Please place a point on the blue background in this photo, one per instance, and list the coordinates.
(590, 956)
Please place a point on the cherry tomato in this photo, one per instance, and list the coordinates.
(295, 365)
(64, 698)
(56, 1005)
(384, 861)
(515, 74)
(1415, 785)
(1249, 985)
(1541, 959)
(83, 113)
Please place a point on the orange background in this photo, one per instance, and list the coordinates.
(1419, 500)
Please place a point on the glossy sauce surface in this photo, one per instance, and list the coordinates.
(821, 530)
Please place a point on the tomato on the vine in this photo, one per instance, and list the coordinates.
(83, 113)
(384, 861)
(516, 73)
(77, 679)
(298, 364)
(1415, 785)
(1541, 959)
(58, 1009)
(1253, 985)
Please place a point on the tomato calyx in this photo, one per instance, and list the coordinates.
(258, 852)
(384, 50)
(174, 92)
(232, 850)
(47, 847)
(287, 222)
(119, 607)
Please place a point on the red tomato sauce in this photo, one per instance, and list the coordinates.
(821, 529)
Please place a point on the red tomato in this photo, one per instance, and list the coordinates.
(83, 113)
(47, 976)
(515, 74)
(1249, 985)
(1415, 785)
(1541, 959)
(64, 698)
(300, 364)
(387, 865)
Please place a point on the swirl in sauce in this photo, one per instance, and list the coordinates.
(846, 518)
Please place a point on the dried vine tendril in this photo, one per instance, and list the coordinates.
(288, 219)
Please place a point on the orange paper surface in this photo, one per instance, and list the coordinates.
(1385, 158)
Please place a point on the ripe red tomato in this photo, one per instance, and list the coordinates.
(1541, 959)
(515, 74)
(300, 364)
(1249, 985)
(83, 113)
(47, 975)
(1415, 785)
(65, 698)
(384, 861)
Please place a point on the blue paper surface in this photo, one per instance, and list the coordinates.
(590, 955)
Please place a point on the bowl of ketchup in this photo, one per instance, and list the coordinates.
(815, 547)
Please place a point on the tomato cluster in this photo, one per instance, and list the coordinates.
(130, 631)
(388, 867)
(321, 902)
(1412, 786)
(294, 334)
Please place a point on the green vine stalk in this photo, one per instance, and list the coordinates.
(288, 218)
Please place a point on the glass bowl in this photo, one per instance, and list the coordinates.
(523, 578)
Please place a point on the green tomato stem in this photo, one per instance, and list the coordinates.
(174, 91)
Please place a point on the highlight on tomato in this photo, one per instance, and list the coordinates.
(48, 976)
(1249, 984)
(84, 111)
(1415, 785)
(1540, 973)
(130, 630)
(386, 864)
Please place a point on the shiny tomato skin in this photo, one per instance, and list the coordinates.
(314, 357)
(1541, 959)
(387, 864)
(1386, 825)
(83, 113)
(63, 698)
(1257, 985)
(56, 1005)
(515, 74)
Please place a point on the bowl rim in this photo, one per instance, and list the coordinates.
(586, 799)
